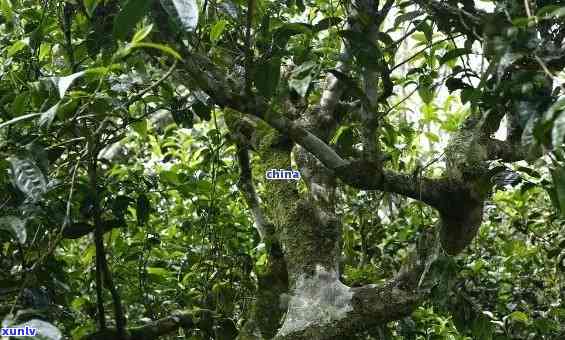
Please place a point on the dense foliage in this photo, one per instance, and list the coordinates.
(123, 197)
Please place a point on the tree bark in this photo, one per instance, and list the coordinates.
(154, 330)
(271, 215)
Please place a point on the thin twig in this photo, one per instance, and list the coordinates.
(20, 118)
(402, 100)
(528, 10)
(154, 85)
(248, 51)
(538, 59)
(78, 139)
(421, 51)
(548, 71)
(4, 204)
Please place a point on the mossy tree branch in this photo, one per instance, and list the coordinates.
(373, 305)
(458, 195)
(182, 319)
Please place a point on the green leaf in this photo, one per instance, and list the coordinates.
(425, 28)
(157, 271)
(523, 21)
(184, 12)
(469, 94)
(338, 133)
(558, 131)
(6, 9)
(141, 127)
(406, 17)
(519, 316)
(15, 226)
(344, 140)
(302, 77)
(546, 10)
(432, 137)
(97, 71)
(267, 76)
(425, 89)
(19, 104)
(558, 175)
(282, 34)
(300, 85)
(453, 54)
(141, 34)
(217, 30)
(426, 94)
(326, 23)
(169, 177)
(18, 119)
(385, 38)
(163, 48)
(559, 12)
(555, 109)
(289, 29)
(63, 83)
(47, 117)
(129, 16)
(304, 69)
(17, 46)
(201, 110)
(351, 85)
(28, 178)
(90, 6)
(45, 330)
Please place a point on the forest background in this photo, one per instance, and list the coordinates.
(135, 136)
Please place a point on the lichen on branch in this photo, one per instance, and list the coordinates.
(317, 300)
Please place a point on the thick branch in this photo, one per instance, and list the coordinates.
(504, 150)
(211, 80)
(98, 237)
(245, 185)
(369, 80)
(334, 88)
(360, 174)
(468, 20)
(373, 305)
(102, 270)
(119, 149)
(78, 230)
(366, 175)
(370, 305)
(272, 280)
(155, 329)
